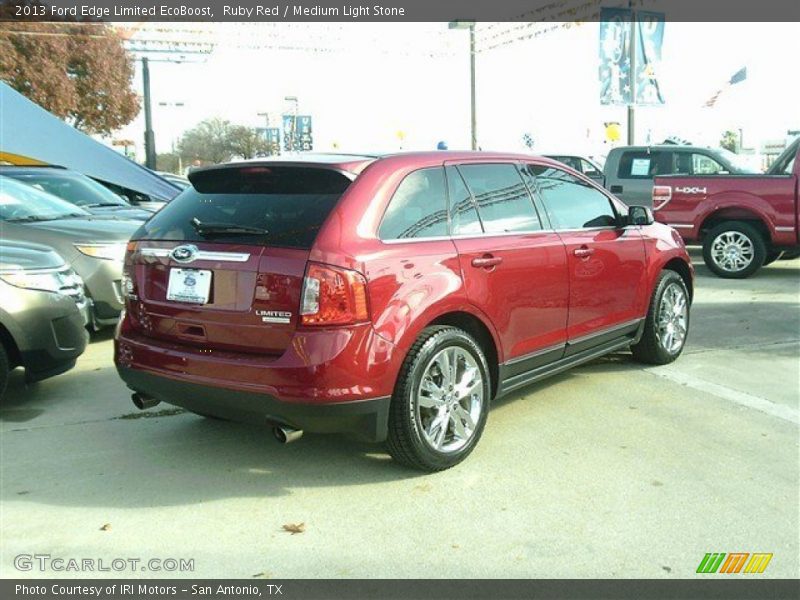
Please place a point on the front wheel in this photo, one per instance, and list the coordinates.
(734, 250)
(667, 322)
(440, 401)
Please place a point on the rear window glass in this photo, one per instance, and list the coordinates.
(645, 165)
(274, 206)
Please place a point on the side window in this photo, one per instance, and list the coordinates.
(418, 207)
(645, 165)
(463, 216)
(571, 203)
(504, 204)
(587, 168)
(705, 165)
(789, 168)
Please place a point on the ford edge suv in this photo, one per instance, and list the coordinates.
(390, 297)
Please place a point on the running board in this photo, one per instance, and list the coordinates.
(513, 383)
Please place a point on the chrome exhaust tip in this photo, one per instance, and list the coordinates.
(286, 435)
(143, 402)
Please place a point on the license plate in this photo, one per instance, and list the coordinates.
(189, 285)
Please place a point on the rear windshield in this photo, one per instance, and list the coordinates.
(274, 206)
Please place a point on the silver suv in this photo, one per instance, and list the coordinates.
(43, 312)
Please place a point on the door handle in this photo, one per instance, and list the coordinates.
(486, 262)
(616, 189)
(583, 252)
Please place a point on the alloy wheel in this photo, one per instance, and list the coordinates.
(673, 313)
(732, 251)
(450, 399)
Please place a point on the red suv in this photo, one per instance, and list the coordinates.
(390, 297)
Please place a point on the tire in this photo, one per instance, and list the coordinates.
(656, 347)
(734, 250)
(4, 370)
(791, 255)
(772, 256)
(430, 429)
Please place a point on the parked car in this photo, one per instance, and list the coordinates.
(743, 222)
(42, 312)
(176, 180)
(391, 297)
(77, 189)
(582, 164)
(94, 246)
(137, 199)
(630, 170)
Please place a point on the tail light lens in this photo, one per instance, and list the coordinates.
(661, 195)
(333, 296)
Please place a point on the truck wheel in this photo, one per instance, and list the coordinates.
(734, 250)
(790, 255)
(440, 402)
(667, 322)
(772, 256)
(4, 370)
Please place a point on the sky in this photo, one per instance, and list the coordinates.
(383, 87)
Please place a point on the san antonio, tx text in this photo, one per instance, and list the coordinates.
(141, 589)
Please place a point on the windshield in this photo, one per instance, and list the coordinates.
(21, 202)
(742, 164)
(75, 189)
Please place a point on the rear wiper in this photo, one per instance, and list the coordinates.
(104, 204)
(223, 228)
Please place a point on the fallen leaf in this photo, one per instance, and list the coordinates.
(294, 528)
(106, 527)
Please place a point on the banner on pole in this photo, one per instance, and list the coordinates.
(615, 62)
(649, 39)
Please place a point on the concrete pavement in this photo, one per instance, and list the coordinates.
(610, 470)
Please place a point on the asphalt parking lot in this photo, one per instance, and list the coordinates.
(610, 470)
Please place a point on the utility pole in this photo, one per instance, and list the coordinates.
(632, 58)
(473, 111)
(149, 136)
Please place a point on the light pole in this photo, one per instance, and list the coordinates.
(293, 138)
(473, 117)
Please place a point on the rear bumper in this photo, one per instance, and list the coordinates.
(364, 419)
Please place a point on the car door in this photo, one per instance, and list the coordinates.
(514, 268)
(633, 182)
(606, 260)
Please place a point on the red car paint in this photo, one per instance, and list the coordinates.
(531, 292)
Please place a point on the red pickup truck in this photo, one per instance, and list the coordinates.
(743, 221)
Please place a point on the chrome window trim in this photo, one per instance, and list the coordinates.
(201, 255)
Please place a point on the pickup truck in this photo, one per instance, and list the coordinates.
(743, 221)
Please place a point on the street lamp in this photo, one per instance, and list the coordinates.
(293, 138)
(473, 123)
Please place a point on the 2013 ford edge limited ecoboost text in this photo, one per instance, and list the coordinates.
(390, 297)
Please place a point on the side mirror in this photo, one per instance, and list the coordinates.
(640, 215)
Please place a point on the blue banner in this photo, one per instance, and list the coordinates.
(297, 133)
(615, 64)
(649, 38)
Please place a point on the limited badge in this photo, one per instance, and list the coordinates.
(274, 316)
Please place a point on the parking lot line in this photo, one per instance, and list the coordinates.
(787, 413)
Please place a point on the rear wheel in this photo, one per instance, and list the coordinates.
(667, 322)
(441, 400)
(4, 370)
(734, 250)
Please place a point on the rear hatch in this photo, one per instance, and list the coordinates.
(221, 267)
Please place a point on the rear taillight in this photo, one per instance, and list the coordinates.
(333, 296)
(127, 283)
(661, 195)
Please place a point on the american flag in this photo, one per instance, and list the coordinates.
(740, 75)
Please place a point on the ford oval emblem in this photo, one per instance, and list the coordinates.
(184, 254)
